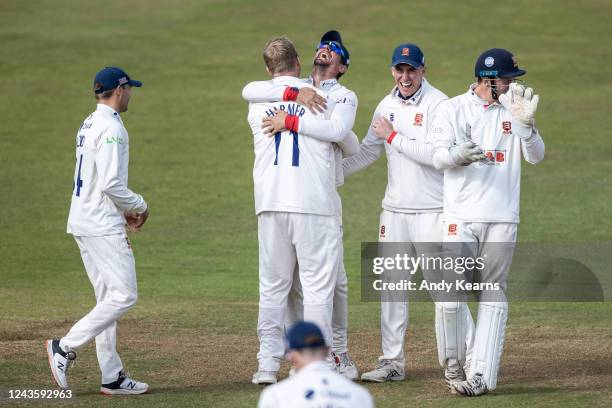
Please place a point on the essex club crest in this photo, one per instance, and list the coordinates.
(418, 119)
(507, 127)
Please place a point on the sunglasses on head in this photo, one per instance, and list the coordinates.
(333, 46)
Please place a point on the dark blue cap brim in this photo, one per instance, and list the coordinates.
(409, 61)
(517, 73)
(135, 83)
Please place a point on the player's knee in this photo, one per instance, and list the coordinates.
(126, 300)
(448, 307)
(131, 299)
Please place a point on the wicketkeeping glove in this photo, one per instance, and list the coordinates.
(521, 103)
(466, 152)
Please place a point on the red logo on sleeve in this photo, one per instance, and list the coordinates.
(382, 231)
(500, 157)
(452, 229)
(507, 127)
(418, 119)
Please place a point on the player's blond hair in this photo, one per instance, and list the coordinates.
(280, 55)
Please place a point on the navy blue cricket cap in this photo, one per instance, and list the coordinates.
(112, 77)
(305, 335)
(409, 54)
(334, 36)
(497, 62)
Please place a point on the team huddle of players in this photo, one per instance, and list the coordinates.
(453, 176)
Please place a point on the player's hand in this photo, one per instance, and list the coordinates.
(135, 221)
(309, 98)
(466, 153)
(273, 124)
(521, 103)
(131, 219)
(382, 128)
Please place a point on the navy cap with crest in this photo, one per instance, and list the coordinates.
(304, 335)
(409, 54)
(112, 77)
(335, 37)
(497, 62)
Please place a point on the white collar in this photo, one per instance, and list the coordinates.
(105, 108)
(324, 85)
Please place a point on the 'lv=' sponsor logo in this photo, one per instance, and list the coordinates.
(452, 229)
(114, 139)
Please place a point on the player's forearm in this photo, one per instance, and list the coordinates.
(419, 152)
(333, 129)
(368, 154)
(442, 159)
(533, 147)
(124, 198)
(263, 91)
(349, 145)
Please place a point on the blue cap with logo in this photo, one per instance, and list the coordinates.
(305, 335)
(112, 77)
(497, 62)
(409, 54)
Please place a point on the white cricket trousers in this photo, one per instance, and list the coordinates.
(109, 263)
(495, 242)
(407, 228)
(286, 238)
(295, 308)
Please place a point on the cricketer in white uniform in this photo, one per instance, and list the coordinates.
(315, 384)
(412, 205)
(297, 209)
(479, 139)
(330, 62)
(101, 203)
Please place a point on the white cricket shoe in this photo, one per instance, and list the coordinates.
(473, 387)
(59, 362)
(453, 376)
(345, 366)
(124, 386)
(385, 370)
(264, 377)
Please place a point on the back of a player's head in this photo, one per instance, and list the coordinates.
(307, 339)
(280, 55)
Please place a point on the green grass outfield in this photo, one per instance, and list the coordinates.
(192, 335)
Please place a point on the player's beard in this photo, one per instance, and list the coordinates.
(320, 70)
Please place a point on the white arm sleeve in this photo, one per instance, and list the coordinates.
(533, 147)
(370, 150)
(442, 136)
(108, 163)
(419, 152)
(339, 124)
(349, 145)
(367, 155)
(263, 91)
